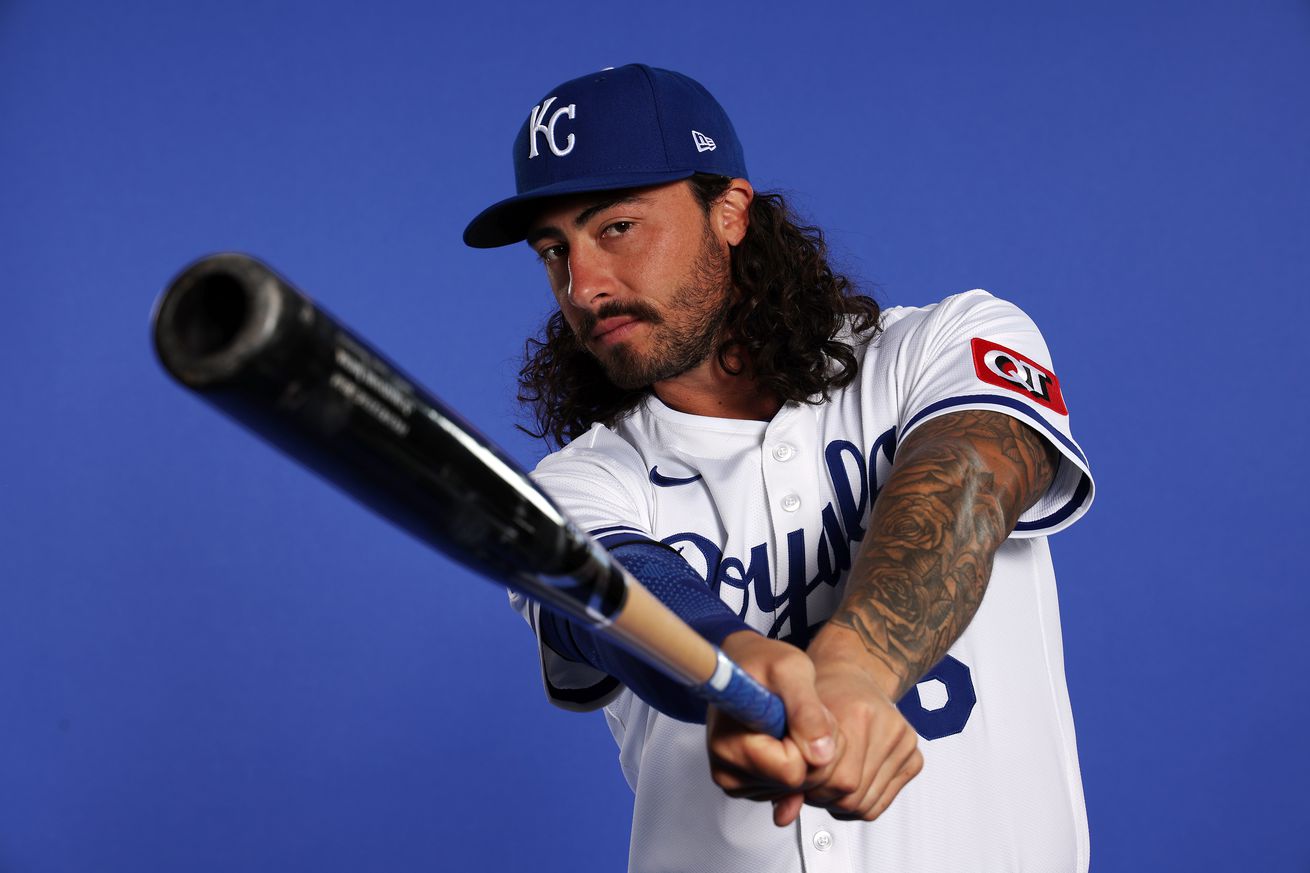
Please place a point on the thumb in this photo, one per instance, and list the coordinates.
(811, 726)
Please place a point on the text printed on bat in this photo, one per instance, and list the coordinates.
(369, 404)
(384, 389)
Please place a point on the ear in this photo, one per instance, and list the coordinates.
(730, 214)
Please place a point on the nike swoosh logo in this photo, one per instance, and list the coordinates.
(669, 481)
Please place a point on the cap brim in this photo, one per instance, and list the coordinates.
(507, 222)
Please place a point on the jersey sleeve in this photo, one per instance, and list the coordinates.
(974, 351)
(597, 480)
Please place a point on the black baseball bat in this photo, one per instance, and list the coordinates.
(234, 331)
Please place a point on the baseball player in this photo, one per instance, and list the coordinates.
(854, 503)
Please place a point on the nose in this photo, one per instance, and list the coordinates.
(590, 278)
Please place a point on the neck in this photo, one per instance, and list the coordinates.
(712, 391)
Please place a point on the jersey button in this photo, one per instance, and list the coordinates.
(791, 502)
(823, 841)
(783, 452)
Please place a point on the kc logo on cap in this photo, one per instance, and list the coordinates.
(535, 127)
(628, 127)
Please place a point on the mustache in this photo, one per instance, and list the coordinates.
(635, 308)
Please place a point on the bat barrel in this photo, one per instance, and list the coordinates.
(204, 322)
(245, 340)
(232, 330)
(220, 314)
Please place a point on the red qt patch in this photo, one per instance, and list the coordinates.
(1006, 368)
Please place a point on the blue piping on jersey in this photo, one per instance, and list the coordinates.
(614, 540)
(582, 696)
(601, 531)
(997, 401)
(1079, 496)
(1084, 485)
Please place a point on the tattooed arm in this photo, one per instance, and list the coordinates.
(956, 491)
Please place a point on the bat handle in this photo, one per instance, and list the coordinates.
(740, 695)
(654, 633)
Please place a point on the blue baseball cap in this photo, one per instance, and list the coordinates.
(623, 127)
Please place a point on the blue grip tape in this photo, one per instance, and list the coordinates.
(737, 693)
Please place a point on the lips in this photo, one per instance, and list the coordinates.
(613, 329)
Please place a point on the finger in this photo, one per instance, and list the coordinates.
(899, 781)
(786, 809)
(748, 786)
(896, 771)
(858, 785)
(730, 780)
(850, 779)
(789, 673)
(809, 723)
(743, 790)
(899, 762)
(756, 761)
(816, 777)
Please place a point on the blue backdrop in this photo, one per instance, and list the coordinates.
(210, 661)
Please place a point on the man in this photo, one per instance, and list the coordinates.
(732, 409)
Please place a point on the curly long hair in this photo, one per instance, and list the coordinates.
(785, 318)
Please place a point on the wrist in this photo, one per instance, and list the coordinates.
(740, 644)
(837, 649)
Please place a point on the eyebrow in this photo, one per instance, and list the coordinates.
(586, 215)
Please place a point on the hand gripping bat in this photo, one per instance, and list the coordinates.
(241, 336)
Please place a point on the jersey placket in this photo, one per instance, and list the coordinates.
(824, 844)
(789, 459)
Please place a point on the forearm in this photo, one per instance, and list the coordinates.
(673, 582)
(957, 488)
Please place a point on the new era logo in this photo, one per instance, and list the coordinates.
(703, 142)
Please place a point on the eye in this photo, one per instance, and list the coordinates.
(550, 254)
(618, 228)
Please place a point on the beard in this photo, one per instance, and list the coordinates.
(681, 339)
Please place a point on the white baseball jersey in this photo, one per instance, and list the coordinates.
(770, 513)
